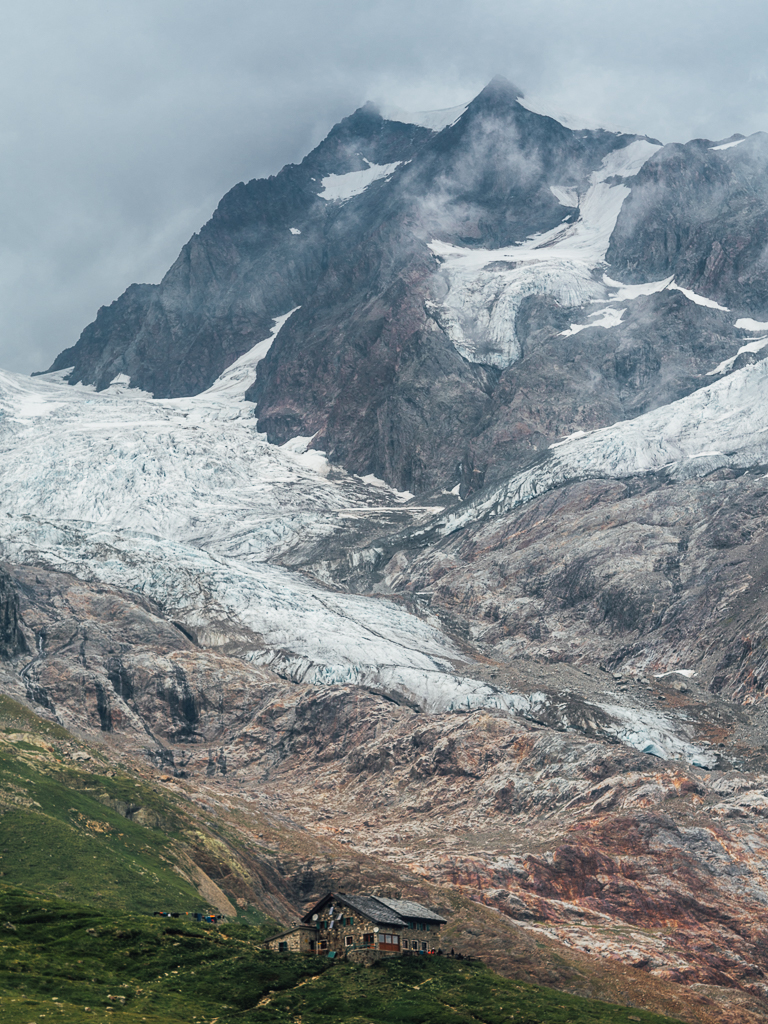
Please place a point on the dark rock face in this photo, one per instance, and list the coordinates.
(12, 640)
(244, 268)
(661, 351)
(701, 214)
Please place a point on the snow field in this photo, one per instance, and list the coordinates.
(480, 309)
(435, 120)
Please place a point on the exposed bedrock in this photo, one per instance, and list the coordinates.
(644, 574)
(701, 215)
(110, 662)
(12, 641)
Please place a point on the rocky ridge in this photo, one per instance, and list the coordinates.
(445, 280)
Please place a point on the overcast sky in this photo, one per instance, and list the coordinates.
(123, 122)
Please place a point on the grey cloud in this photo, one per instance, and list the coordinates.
(123, 123)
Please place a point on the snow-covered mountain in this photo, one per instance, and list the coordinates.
(434, 302)
(464, 413)
(443, 270)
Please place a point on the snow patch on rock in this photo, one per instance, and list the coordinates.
(634, 291)
(700, 300)
(238, 377)
(539, 105)
(435, 120)
(340, 187)
(626, 292)
(565, 195)
(727, 145)
(752, 346)
(607, 318)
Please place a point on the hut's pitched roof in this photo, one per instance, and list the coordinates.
(373, 908)
(407, 908)
(367, 905)
(378, 909)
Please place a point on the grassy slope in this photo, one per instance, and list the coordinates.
(62, 831)
(57, 836)
(72, 964)
(60, 838)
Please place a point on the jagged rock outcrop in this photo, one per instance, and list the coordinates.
(700, 212)
(105, 661)
(261, 254)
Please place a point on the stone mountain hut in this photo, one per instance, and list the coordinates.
(341, 923)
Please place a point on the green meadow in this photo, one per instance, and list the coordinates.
(61, 962)
(79, 880)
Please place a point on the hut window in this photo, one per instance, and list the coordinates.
(368, 938)
(282, 947)
(348, 940)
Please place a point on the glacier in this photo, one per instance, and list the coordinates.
(486, 287)
(184, 502)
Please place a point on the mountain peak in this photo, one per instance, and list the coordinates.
(499, 89)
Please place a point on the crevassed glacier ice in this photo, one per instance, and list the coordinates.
(723, 424)
(184, 502)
